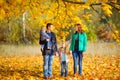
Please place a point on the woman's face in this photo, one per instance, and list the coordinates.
(76, 28)
(79, 28)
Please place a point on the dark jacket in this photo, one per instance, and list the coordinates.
(54, 45)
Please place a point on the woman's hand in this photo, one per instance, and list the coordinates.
(70, 52)
(82, 54)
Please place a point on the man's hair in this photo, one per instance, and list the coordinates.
(48, 24)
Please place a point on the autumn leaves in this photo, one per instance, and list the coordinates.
(95, 67)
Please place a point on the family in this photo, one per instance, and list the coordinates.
(49, 49)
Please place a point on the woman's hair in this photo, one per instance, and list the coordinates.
(79, 28)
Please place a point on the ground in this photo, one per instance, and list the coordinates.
(30, 67)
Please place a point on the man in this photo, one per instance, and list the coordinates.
(48, 54)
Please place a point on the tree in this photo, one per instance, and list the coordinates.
(62, 13)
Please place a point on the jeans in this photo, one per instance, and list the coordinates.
(64, 68)
(47, 67)
(77, 58)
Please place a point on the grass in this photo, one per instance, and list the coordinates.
(94, 48)
(19, 50)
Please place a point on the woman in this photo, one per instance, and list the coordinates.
(77, 47)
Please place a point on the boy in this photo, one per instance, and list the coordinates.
(45, 36)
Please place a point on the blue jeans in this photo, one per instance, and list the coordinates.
(47, 67)
(64, 68)
(77, 58)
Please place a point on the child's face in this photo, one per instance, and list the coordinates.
(43, 29)
(63, 45)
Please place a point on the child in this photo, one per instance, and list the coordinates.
(64, 60)
(44, 36)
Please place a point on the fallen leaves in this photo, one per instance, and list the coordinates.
(95, 67)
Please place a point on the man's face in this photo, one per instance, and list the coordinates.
(50, 27)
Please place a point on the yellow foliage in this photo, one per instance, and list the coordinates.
(77, 19)
(107, 9)
(116, 32)
(19, 1)
(2, 14)
(55, 11)
(116, 36)
(1, 2)
(84, 28)
(104, 0)
(115, 1)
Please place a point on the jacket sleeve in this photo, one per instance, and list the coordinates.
(71, 45)
(85, 42)
(54, 42)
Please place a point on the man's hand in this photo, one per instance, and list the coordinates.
(47, 39)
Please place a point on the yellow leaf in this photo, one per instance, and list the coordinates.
(19, 1)
(2, 14)
(116, 32)
(107, 9)
(31, 78)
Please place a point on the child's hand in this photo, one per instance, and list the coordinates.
(56, 53)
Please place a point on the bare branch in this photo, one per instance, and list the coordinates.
(94, 9)
(73, 2)
(113, 5)
(95, 4)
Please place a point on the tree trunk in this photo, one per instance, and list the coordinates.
(23, 18)
(24, 27)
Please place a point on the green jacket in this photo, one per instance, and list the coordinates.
(82, 41)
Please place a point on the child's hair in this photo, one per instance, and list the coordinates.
(65, 47)
(43, 27)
